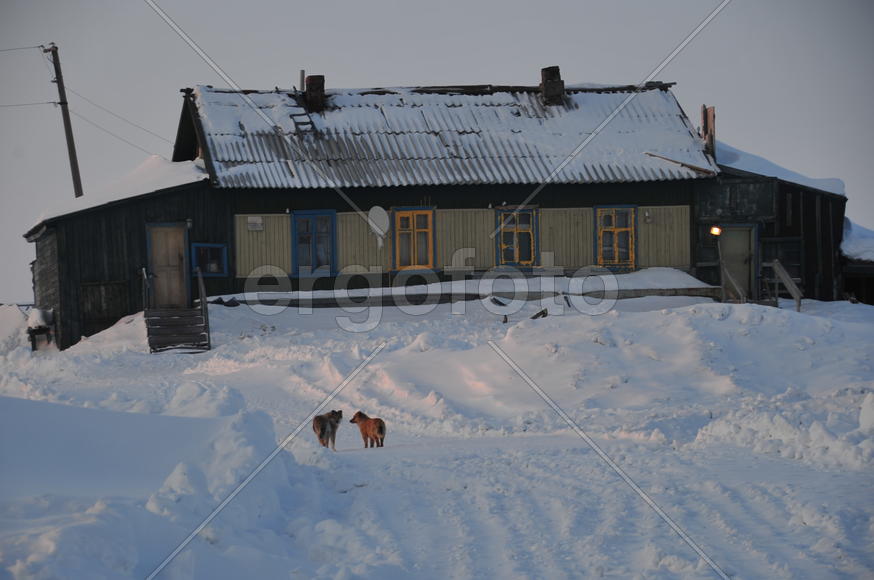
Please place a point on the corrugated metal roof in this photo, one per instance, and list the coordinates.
(426, 136)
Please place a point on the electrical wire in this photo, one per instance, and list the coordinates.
(20, 48)
(116, 115)
(108, 132)
(29, 104)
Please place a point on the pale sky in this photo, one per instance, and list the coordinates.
(791, 79)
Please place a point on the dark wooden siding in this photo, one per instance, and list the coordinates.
(46, 277)
(800, 226)
(90, 272)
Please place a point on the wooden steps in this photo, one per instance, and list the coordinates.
(169, 328)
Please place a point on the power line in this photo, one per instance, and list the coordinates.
(116, 115)
(30, 104)
(108, 132)
(20, 48)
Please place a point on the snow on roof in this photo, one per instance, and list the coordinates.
(737, 159)
(445, 135)
(153, 174)
(858, 242)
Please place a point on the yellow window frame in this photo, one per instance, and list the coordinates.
(413, 230)
(603, 212)
(510, 223)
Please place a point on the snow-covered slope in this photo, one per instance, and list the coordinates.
(732, 157)
(858, 242)
(752, 427)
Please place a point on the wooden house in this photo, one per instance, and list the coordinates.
(472, 179)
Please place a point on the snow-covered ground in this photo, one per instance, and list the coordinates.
(752, 427)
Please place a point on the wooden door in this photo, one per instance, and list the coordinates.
(168, 264)
(738, 255)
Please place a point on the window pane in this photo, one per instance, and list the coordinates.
(421, 221)
(525, 250)
(508, 221)
(607, 220)
(405, 249)
(507, 255)
(304, 250)
(404, 222)
(323, 250)
(323, 224)
(422, 248)
(622, 243)
(507, 238)
(607, 246)
(524, 220)
(303, 225)
(623, 218)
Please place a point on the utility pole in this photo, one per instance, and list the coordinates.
(65, 113)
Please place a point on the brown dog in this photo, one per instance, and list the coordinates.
(372, 430)
(325, 427)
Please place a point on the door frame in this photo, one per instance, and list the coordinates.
(295, 267)
(755, 262)
(186, 253)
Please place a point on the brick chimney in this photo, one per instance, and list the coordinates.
(708, 130)
(314, 94)
(551, 86)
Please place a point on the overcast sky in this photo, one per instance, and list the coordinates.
(791, 79)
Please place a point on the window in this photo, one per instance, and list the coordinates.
(313, 242)
(212, 259)
(414, 239)
(517, 242)
(615, 236)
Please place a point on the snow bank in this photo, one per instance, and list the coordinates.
(728, 155)
(796, 426)
(751, 426)
(120, 490)
(13, 328)
(858, 242)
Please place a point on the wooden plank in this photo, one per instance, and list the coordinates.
(177, 330)
(158, 341)
(457, 229)
(171, 312)
(568, 234)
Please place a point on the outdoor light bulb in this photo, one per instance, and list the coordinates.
(715, 230)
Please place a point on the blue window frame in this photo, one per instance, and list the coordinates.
(313, 243)
(211, 258)
(517, 241)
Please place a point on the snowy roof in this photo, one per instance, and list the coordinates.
(153, 174)
(737, 159)
(858, 242)
(447, 136)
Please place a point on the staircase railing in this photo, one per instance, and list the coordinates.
(147, 289)
(204, 306)
(784, 277)
(726, 275)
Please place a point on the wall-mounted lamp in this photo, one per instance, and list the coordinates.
(189, 223)
(715, 231)
(647, 217)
